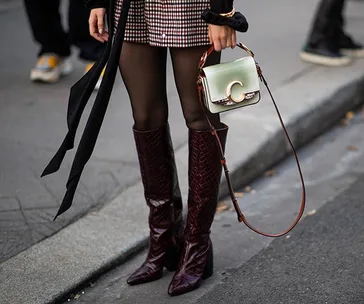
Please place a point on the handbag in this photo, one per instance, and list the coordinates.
(232, 85)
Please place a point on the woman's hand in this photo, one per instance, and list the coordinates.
(97, 26)
(222, 36)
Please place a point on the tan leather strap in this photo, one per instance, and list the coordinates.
(241, 217)
(211, 48)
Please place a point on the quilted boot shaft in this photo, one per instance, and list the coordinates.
(204, 180)
(163, 197)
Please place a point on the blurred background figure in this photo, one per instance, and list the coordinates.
(327, 43)
(55, 43)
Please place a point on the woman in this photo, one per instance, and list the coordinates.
(150, 30)
(152, 27)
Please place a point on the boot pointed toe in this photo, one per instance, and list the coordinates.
(144, 274)
(183, 283)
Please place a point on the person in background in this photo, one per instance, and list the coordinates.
(327, 43)
(55, 43)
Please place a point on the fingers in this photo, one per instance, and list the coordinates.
(223, 42)
(96, 25)
(229, 40)
(216, 37)
(217, 45)
(233, 39)
(222, 37)
(100, 23)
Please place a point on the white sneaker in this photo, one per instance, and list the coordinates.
(50, 68)
(350, 47)
(324, 56)
(354, 52)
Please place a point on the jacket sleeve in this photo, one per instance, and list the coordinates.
(238, 21)
(221, 6)
(90, 4)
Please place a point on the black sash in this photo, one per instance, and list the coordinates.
(79, 95)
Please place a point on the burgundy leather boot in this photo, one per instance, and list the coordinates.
(163, 197)
(204, 179)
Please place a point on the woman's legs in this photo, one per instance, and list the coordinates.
(204, 173)
(143, 69)
(185, 62)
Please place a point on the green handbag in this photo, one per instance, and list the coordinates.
(227, 86)
(230, 85)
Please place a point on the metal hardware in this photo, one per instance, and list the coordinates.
(229, 14)
(228, 91)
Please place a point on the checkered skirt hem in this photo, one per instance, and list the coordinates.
(165, 23)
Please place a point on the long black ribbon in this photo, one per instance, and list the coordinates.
(79, 95)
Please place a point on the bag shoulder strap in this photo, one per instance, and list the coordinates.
(241, 217)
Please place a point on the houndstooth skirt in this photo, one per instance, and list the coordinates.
(165, 23)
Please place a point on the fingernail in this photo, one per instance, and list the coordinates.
(100, 31)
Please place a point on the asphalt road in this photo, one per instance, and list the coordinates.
(321, 261)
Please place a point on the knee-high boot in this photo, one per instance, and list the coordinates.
(204, 178)
(163, 197)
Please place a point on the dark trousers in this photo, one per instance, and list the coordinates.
(45, 21)
(327, 26)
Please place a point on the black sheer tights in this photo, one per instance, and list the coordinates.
(143, 69)
(185, 62)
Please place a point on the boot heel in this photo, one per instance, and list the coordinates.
(172, 259)
(209, 267)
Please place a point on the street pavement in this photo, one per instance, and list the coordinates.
(32, 125)
(320, 261)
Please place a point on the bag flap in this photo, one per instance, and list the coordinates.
(236, 77)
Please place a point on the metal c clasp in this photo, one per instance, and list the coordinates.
(228, 91)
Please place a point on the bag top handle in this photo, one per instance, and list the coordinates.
(211, 48)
